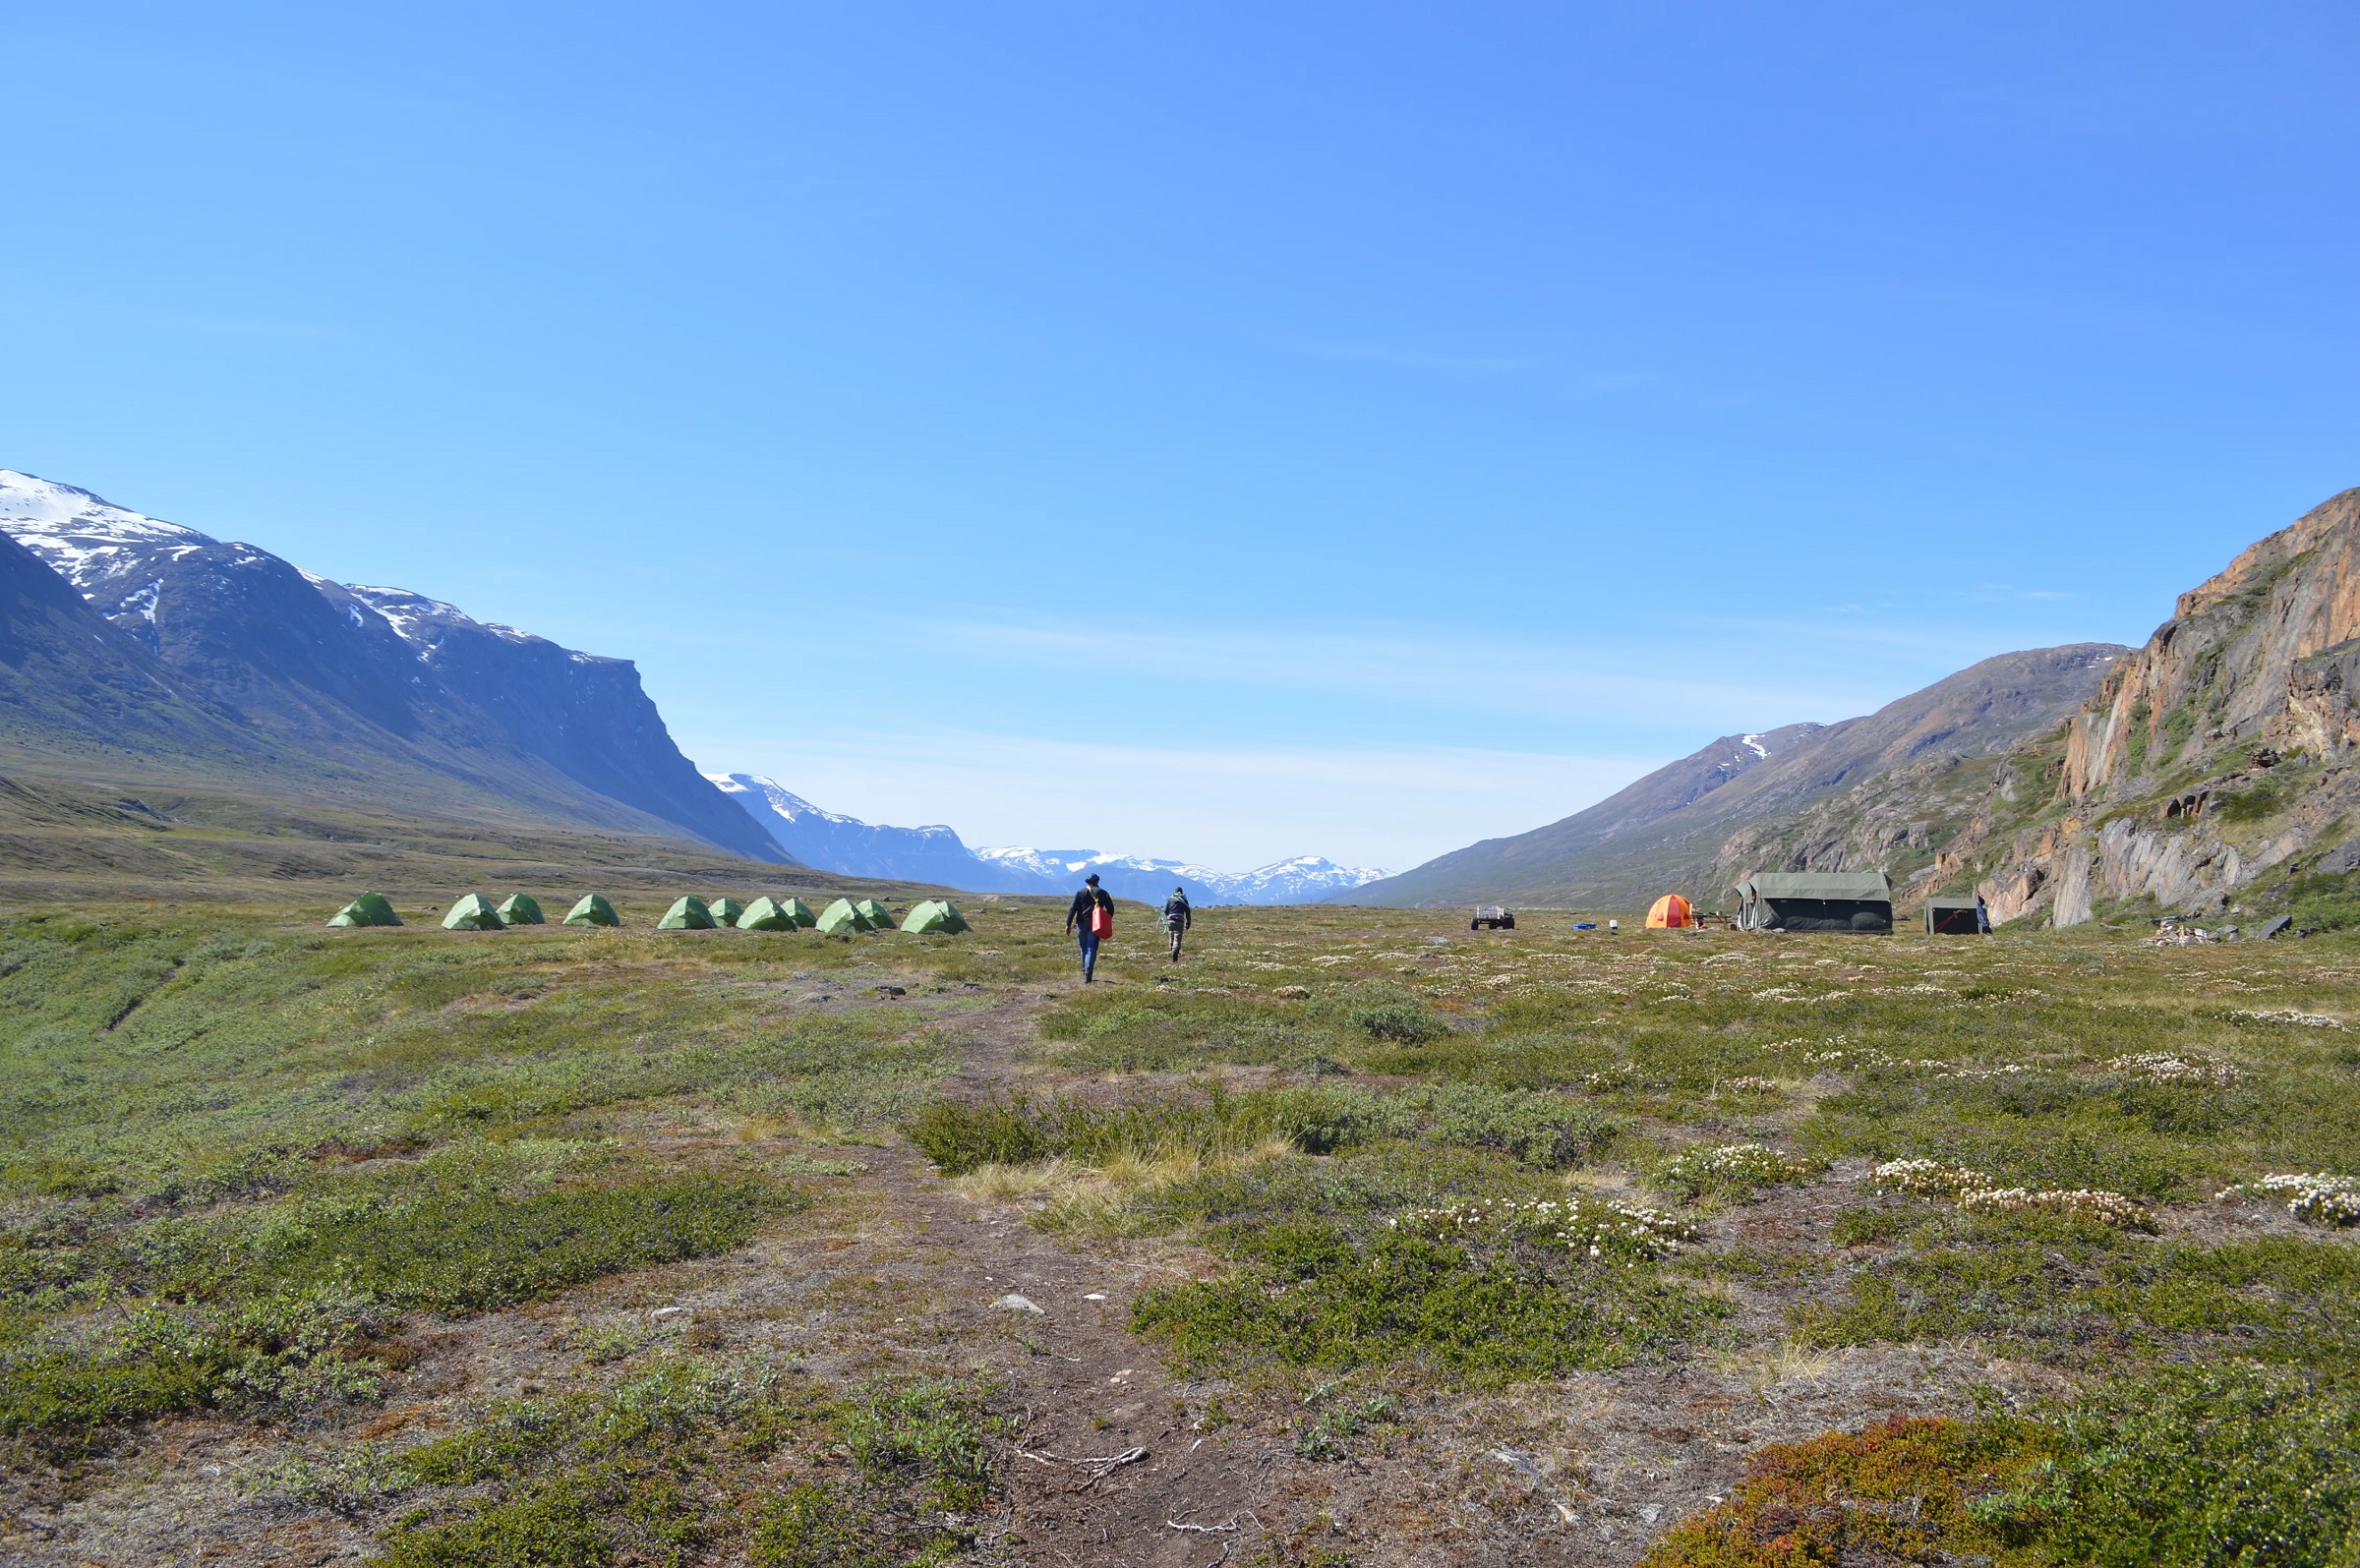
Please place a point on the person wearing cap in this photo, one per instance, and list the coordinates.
(1177, 918)
(1093, 914)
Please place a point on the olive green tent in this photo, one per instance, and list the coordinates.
(1816, 901)
(522, 908)
(724, 911)
(1953, 917)
(765, 914)
(841, 916)
(594, 909)
(934, 915)
(687, 915)
(370, 908)
(473, 913)
(876, 914)
(799, 912)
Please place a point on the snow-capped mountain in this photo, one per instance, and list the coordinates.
(832, 842)
(1306, 879)
(375, 681)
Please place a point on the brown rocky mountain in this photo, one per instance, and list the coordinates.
(2212, 765)
(1747, 803)
(2207, 771)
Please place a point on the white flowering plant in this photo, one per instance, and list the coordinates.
(2162, 1067)
(1594, 1229)
(1729, 1169)
(2315, 1198)
(1976, 1193)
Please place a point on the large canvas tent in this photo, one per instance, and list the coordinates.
(1816, 901)
(521, 909)
(934, 915)
(593, 909)
(687, 913)
(842, 916)
(1953, 918)
(370, 908)
(765, 914)
(1670, 912)
(473, 913)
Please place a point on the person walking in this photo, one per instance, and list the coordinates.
(1092, 913)
(1177, 918)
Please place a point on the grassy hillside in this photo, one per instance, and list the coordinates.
(1353, 1237)
(192, 833)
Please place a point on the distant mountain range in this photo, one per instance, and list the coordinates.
(1698, 824)
(138, 648)
(832, 842)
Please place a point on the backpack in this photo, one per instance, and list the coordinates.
(1102, 920)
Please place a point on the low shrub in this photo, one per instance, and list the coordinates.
(1905, 1491)
(1537, 1128)
(1491, 1309)
(1544, 1129)
(935, 1435)
(293, 1350)
(1731, 1170)
(471, 1249)
(2212, 1466)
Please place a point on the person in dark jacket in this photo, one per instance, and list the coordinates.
(1086, 903)
(1177, 918)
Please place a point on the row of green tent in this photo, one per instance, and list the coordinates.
(474, 912)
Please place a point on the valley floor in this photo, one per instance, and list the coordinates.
(1355, 1238)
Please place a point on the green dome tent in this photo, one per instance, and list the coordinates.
(472, 914)
(934, 915)
(687, 915)
(522, 908)
(799, 912)
(594, 909)
(370, 908)
(724, 911)
(875, 913)
(765, 914)
(842, 916)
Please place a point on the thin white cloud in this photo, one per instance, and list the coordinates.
(1688, 681)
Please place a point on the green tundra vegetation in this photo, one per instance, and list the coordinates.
(251, 1165)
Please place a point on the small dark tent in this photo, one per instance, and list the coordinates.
(1816, 901)
(765, 914)
(473, 913)
(687, 913)
(724, 911)
(1953, 918)
(370, 908)
(594, 909)
(522, 908)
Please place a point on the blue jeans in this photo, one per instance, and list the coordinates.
(1090, 952)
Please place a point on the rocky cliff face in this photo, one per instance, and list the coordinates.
(2215, 758)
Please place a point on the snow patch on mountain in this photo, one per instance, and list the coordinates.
(83, 539)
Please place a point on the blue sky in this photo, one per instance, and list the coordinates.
(1227, 430)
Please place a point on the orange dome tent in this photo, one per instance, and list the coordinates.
(1671, 911)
